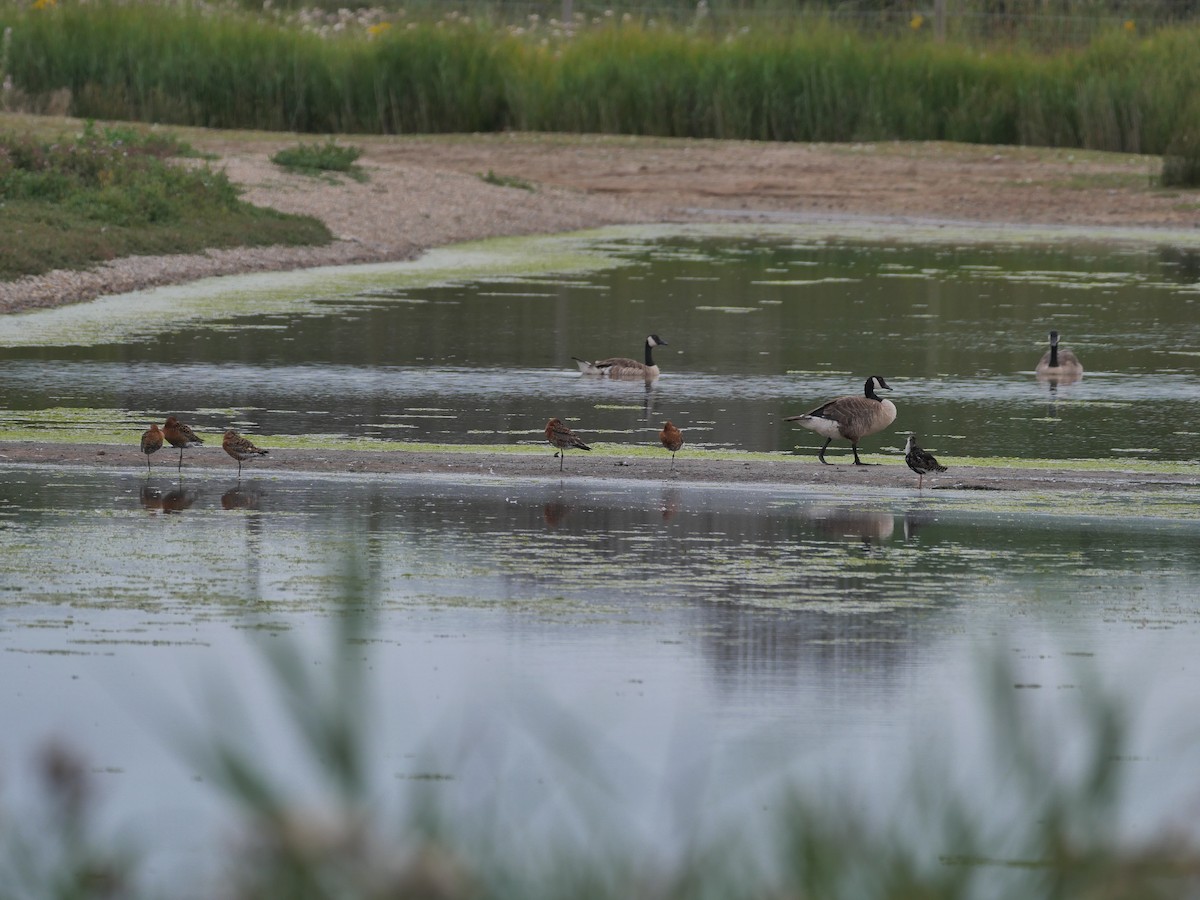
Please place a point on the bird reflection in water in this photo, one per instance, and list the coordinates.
(869, 526)
(175, 500)
(239, 497)
(670, 503)
(554, 511)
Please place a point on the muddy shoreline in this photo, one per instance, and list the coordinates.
(789, 471)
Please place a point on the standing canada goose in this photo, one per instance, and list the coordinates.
(623, 366)
(850, 418)
(920, 461)
(152, 441)
(1062, 365)
(240, 448)
(562, 437)
(672, 439)
(179, 435)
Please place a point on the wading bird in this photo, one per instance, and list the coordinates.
(179, 435)
(562, 437)
(920, 461)
(850, 418)
(152, 441)
(240, 448)
(672, 439)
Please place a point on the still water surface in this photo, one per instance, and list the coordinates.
(759, 327)
(687, 633)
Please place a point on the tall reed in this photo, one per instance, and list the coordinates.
(806, 80)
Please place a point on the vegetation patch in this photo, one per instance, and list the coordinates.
(319, 159)
(112, 192)
(510, 181)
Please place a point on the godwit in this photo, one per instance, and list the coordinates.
(152, 441)
(239, 448)
(850, 418)
(179, 435)
(672, 439)
(563, 437)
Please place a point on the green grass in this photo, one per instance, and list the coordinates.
(317, 159)
(107, 193)
(796, 78)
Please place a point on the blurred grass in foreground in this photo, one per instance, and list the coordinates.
(1057, 834)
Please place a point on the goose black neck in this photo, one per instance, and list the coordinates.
(1054, 355)
(649, 354)
(869, 391)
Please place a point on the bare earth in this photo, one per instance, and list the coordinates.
(424, 192)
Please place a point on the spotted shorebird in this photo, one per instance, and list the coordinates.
(240, 448)
(563, 437)
(920, 461)
(152, 441)
(850, 418)
(623, 366)
(179, 435)
(672, 439)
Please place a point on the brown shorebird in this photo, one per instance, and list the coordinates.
(672, 439)
(179, 435)
(850, 418)
(239, 448)
(920, 461)
(562, 437)
(152, 441)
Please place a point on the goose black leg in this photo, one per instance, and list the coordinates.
(821, 452)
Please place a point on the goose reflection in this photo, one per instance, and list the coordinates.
(870, 526)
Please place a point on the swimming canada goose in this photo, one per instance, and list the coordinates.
(623, 366)
(920, 461)
(562, 437)
(152, 441)
(240, 448)
(672, 439)
(179, 435)
(1062, 365)
(850, 418)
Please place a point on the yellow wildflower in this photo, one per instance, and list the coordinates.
(1129, 26)
(916, 21)
(44, 4)
(378, 28)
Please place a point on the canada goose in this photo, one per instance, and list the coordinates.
(622, 366)
(179, 435)
(152, 441)
(240, 448)
(562, 437)
(920, 461)
(1061, 365)
(850, 418)
(672, 439)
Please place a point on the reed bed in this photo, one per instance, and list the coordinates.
(801, 79)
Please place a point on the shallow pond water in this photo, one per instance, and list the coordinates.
(760, 325)
(688, 634)
(737, 639)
